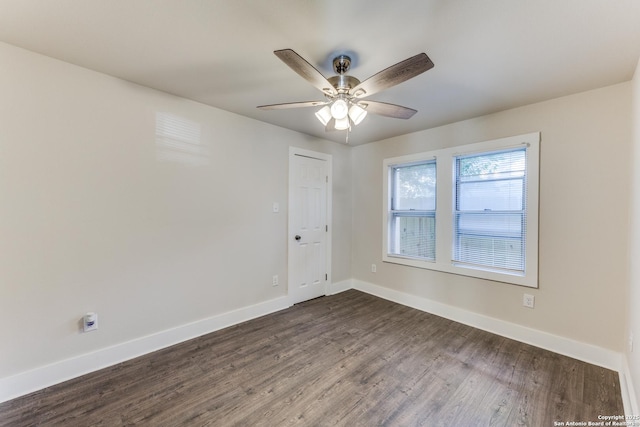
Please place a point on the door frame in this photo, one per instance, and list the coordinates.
(293, 152)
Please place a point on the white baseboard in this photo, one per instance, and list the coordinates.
(336, 288)
(629, 398)
(578, 350)
(45, 376)
(39, 378)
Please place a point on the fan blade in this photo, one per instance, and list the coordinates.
(292, 105)
(387, 110)
(298, 64)
(396, 74)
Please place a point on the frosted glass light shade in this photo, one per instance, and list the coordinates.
(339, 109)
(357, 114)
(324, 115)
(342, 124)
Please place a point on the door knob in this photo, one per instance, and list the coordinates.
(297, 237)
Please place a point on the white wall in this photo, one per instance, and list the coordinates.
(97, 215)
(584, 188)
(633, 357)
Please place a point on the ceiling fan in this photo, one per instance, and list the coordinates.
(345, 102)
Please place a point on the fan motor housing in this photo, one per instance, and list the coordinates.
(343, 83)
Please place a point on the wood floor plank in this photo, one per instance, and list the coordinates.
(346, 360)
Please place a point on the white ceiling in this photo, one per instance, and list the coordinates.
(489, 55)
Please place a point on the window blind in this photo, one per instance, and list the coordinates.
(490, 215)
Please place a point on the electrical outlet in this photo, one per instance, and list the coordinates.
(528, 300)
(90, 322)
(373, 268)
(276, 280)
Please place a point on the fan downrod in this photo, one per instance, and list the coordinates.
(341, 64)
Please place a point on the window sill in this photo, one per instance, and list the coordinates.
(530, 281)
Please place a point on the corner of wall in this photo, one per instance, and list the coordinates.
(336, 288)
(631, 357)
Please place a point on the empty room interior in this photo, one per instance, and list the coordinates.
(319, 212)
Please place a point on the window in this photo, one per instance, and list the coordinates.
(413, 210)
(490, 210)
(469, 210)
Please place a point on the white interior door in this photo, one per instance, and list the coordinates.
(308, 226)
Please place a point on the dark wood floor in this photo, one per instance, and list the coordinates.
(350, 360)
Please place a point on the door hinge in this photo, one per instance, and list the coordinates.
(326, 228)
(326, 277)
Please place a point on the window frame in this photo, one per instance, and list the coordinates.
(395, 212)
(445, 209)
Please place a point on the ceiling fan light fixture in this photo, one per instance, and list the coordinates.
(343, 106)
(357, 114)
(339, 109)
(324, 115)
